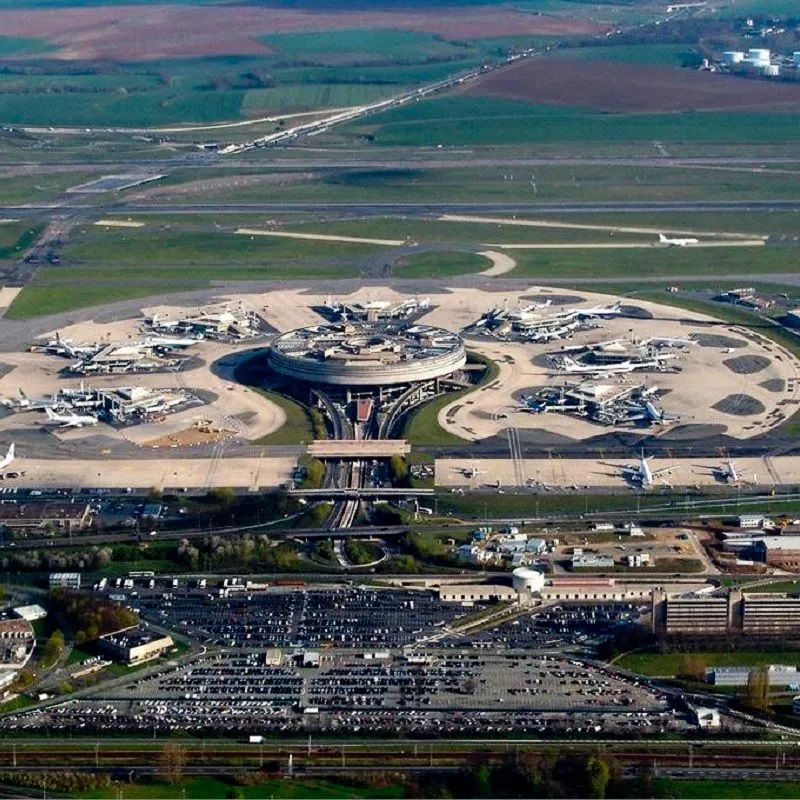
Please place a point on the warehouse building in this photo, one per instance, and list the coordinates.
(779, 675)
(35, 516)
(134, 645)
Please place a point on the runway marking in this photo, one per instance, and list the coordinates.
(320, 237)
(624, 245)
(119, 223)
(581, 226)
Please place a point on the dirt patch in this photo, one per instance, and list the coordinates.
(208, 185)
(717, 340)
(610, 86)
(747, 365)
(139, 32)
(739, 405)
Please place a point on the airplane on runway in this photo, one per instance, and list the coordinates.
(642, 474)
(70, 420)
(677, 242)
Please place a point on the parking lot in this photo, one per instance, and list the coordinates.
(416, 692)
(298, 617)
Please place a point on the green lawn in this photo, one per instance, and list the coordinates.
(668, 664)
(461, 120)
(666, 263)
(297, 427)
(19, 189)
(438, 264)
(16, 237)
(422, 426)
(458, 183)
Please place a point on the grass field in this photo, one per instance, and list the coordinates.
(437, 264)
(667, 55)
(499, 183)
(668, 664)
(16, 237)
(297, 427)
(22, 46)
(657, 263)
(473, 121)
(18, 189)
(104, 265)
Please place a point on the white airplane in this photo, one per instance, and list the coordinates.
(25, 403)
(730, 474)
(642, 474)
(620, 368)
(167, 341)
(8, 458)
(677, 242)
(471, 472)
(65, 347)
(70, 420)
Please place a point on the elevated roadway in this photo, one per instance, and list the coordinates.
(358, 448)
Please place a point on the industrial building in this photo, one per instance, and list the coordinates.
(735, 615)
(601, 403)
(44, 516)
(64, 580)
(779, 675)
(134, 645)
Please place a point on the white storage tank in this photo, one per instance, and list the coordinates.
(527, 580)
(758, 56)
(733, 57)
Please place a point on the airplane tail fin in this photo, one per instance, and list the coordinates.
(9, 457)
(662, 238)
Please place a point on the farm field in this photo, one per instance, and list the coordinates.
(623, 87)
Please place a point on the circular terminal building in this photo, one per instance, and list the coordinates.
(367, 354)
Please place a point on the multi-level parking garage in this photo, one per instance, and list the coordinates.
(367, 354)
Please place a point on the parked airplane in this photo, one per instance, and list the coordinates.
(8, 458)
(730, 474)
(677, 242)
(471, 472)
(620, 368)
(25, 403)
(70, 420)
(642, 474)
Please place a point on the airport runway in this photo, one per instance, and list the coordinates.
(393, 209)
